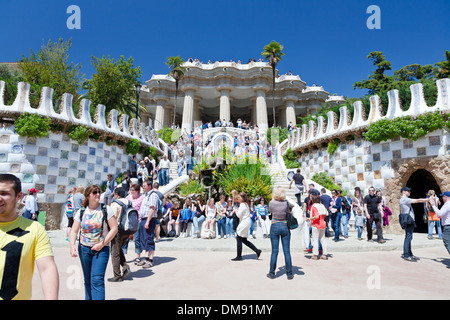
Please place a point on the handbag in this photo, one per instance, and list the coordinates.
(291, 221)
(405, 219)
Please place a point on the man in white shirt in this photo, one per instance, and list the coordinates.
(444, 214)
(164, 166)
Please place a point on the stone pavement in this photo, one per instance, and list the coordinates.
(351, 244)
(201, 269)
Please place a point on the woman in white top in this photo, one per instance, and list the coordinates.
(142, 173)
(210, 212)
(31, 207)
(243, 228)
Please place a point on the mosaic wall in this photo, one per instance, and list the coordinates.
(362, 163)
(56, 163)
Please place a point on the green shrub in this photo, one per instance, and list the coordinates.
(32, 125)
(246, 177)
(406, 127)
(332, 146)
(290, 159)
(79, 133)
(192, 186)
(169, 135)
(133, 146)
(325, 181)
(282, 134)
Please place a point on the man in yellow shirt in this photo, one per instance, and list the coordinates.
(22, 243)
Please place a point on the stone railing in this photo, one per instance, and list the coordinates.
(123, 128)
(314, 135)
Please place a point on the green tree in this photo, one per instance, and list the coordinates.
(273, 53)
(177, 72)
(113, 84)
(444, 66)
(415, 72)
(12, 76)
(378, 81)
(50, 68)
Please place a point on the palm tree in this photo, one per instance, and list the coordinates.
(177, 72)
(272, 52)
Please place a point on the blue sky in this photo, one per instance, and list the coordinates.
(326, 42)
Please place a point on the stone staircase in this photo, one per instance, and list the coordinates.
(173, 171)
(279, 179)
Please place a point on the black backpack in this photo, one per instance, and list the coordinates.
(129, 218)
(345, 204)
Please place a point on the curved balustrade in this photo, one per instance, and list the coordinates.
(312, 134)
(125, 127)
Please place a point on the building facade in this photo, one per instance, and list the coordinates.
(229, 91)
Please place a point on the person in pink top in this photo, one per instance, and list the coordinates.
(318, 224)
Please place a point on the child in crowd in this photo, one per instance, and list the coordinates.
(174, 218)
(360, 221)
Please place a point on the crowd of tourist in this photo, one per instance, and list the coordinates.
(210, 62)
(94, 223)
(94, 217)
(187, 151)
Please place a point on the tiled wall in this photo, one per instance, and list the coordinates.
(363, 164)
(56, 163)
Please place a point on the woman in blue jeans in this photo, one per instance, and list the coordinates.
(279, 230)
(230, 210)
(95, 236)
(198, 214)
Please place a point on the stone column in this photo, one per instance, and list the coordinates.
(225, 110)
(281, 116)
(168, 115)
(197, 113)
(253, 111)
(290, 112)
(188, 110)
(159, 114)
(261, 110)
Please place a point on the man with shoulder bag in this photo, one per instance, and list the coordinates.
(407, 215)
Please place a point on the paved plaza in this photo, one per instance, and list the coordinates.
(201, 269)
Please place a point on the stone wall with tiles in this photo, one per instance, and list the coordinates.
(386, 165)
(55, 163)
(362, 163)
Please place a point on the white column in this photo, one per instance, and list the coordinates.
(159, 114)
(188, 111)
(225, 105)
(281, 116)
(261, 110)
(197, 113)
(168, 115)
(290, 113)
(253, 111)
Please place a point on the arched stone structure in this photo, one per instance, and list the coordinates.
(438, 167)
(220, 136)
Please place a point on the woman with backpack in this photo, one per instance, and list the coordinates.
(97, 226)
